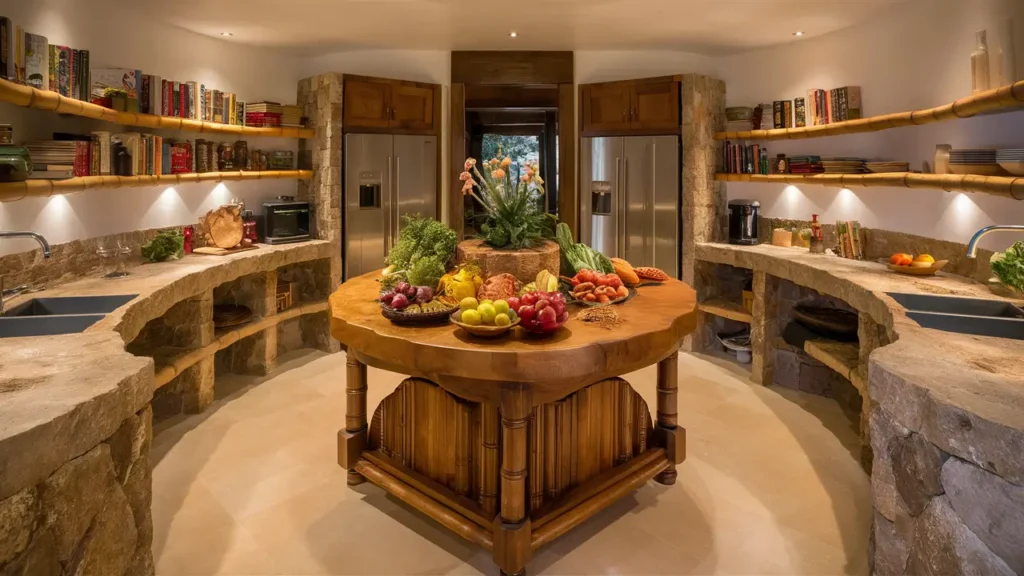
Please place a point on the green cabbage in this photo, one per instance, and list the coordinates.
(164, 246)
(1009, 266)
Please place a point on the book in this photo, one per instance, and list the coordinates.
(94, 157)
(114, 78)
(37, 64)
(176, 100)
(182, 100)
(103, 147)
(164, 100)
(145, 94)
(240, 113)
(853, 103)
(7, 49)
(777, 122)
(201, 104)
(156, 95)
(193, 95)
(800, 111)
(19, 54)
(85, 76)
(218, 106)
(82, 159)
(787, 114)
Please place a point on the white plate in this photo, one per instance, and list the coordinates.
(1015, 168)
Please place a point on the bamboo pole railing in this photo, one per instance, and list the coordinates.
(29, 97)
(1007, 187)
(997, 99)
(167, 372)
(14, 191)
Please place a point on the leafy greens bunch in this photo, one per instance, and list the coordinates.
(422, 252)
(1009, 266)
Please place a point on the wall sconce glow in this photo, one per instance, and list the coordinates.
(513, 34)
(798, 33)
(168, 198)
(226, 34)
(962, 203)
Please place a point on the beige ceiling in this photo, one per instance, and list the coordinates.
(711, 27)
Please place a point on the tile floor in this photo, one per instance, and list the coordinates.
(252, 487)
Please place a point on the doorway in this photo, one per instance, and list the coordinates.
(524, 101)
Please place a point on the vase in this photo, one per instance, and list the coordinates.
(119, 103)
(1006, 56)
(524, 264)
(979, 64)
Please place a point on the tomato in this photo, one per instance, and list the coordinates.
(901, 259)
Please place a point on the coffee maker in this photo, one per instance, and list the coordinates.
(743, 222)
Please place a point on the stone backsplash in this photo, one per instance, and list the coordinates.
(885, 243)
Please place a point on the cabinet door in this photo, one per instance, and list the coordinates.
(655, 105)
(606, 107)
(412, 107)
(367, 104)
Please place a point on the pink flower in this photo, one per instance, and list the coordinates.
(493, 161)
(465, 176)
(498, 174)
(524, 178)
(529, 174)
(470, 162)
(467, 188)
(506, 162)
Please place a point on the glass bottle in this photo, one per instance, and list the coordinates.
(817, 236)
(979, 64)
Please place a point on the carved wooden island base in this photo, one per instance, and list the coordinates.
(511, 443)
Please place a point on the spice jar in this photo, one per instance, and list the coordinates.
(225, 157)
(242, 155)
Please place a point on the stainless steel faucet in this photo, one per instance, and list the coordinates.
(972, 246)
(25, 234)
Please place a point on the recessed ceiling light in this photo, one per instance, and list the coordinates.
(230, 34)
(798, 33)
(513, 34)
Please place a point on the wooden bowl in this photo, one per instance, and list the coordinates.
(919, 271)
(484, 331)
(977, 169)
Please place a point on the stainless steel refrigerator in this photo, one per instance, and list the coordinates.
(386, 177)
(630, 199)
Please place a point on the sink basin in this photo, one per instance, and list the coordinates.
(70, 305)
(957, 305)
(21, 326)
(964, 315)
(49, 316)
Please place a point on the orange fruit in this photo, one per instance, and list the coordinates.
(901, 259)
(924, 258)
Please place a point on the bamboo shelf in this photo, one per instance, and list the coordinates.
(1006, 186)
(14, 191)
(53, 102)
(726, 309)
(997, 99)
(227, 337)
(843, 357)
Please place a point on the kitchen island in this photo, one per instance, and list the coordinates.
(511, 442)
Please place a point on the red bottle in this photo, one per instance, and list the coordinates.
(187, 232)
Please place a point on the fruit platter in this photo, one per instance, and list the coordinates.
(488, 319)
(920, 265)
(408, 304)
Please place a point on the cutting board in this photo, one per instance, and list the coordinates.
(214, 251)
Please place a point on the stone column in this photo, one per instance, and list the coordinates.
(764, 328)
(187, 325)
(256, 354)
(871, 335)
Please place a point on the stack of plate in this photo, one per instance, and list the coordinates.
(880, 167)
(844, 165)
(979, 162)
(1012, 160)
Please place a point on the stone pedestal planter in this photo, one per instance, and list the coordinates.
(523, 264)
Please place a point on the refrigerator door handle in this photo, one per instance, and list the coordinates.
(653, 200)
(397, 200)
(623, 209)
(390, 208)
(618, 201)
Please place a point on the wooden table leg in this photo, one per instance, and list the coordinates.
(352, 440)
(672, 435)
(512, 525)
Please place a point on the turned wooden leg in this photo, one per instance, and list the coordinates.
(512, 525)
(672, 435)
(352, 440)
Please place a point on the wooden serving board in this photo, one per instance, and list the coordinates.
(919, 271)
(214, 251)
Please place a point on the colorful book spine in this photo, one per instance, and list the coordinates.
(787, 114)
(800, 111)
(81, 166)
(777, 121)
(201, 104)
(853, 103)
(103, 146)
(183, 100)
(193, 95)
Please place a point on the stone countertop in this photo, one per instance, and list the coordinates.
(61, 395)
(963, 393)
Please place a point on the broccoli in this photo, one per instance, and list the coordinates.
(426, 271)
(422, 238)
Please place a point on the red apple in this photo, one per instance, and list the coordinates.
(541, 304)
(547, 315)
(528, 299)
(514, 303)
(559, 307)
(527, 312)
(563, 317)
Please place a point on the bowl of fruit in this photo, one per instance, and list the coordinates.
(920, 265)
(485, 318)
(406, 304)
(541, 312)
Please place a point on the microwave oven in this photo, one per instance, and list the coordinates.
(285, 222)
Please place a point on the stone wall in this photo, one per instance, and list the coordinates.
(91, 516)
(938, 514)
(884, 243)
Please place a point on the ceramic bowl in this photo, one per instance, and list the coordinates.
(977, 169)
(1015, 168)
(918, 270)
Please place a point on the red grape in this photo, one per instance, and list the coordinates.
(529, 299)
(514, 303)
(547, 315)
(542, 304)
(527, 312)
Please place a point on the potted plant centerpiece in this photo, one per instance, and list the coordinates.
(515, 230)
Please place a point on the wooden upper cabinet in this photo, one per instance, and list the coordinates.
(412, 107)
(367, 104)
(641, 106)
(380, 103)
(606, 106)
(656, 105)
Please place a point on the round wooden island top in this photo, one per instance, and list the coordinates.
(652, 326)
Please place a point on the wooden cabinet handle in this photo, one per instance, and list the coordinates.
(392, 113)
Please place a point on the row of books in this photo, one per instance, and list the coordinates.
(819, 108)
(29, 59)
(750, 159)
(806, 165)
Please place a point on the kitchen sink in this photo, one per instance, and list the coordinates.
(49, 316)
(70, 305)
(964, 315)
(21, 326)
